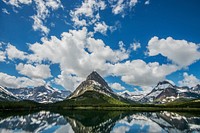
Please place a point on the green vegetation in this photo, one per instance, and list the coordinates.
(91, 98)
(19, 105)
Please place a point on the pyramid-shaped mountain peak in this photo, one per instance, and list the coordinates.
(93, 82)
(96, 77)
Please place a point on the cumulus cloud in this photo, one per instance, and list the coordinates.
(2, 56)
(43, 10)
(117, 86)
(89, 9)
(135, 72)
(17, 3)
(2, 53)
(77, 54)
(180, 52)
(135, 46)
(68, 81)
(119, 6)
(39, 71)
(13, 53)
(189, 80)
(38, 25)
(18, 82)
(101, 27)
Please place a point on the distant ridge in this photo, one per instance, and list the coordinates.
(165, 92)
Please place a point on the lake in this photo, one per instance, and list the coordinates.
(85, 121)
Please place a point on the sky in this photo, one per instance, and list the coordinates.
(133, 44)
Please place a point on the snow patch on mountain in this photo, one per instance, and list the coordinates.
(41, 94)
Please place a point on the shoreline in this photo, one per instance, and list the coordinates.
(113, 108)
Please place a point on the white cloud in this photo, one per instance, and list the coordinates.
(4, 10)
(38, 25)
(18, 82)
(13, 53)
(135, 72)
(119, 6)
(68, 81)
(2, 56)
(2, 53)
(17, 3)
(117, 86)
(116, 26)
(89, 9)
(77, 54)
(147, 2)
(189, 80)
(101, 27)
(135, 46)
(180, 52)
(39, 71)
(43, 10)
(54, 4)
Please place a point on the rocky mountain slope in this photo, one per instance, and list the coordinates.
(41, 94)
(5, 95)
(95, 84)
(131, 95)
(166, 92)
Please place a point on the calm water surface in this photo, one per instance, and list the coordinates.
(100, 121)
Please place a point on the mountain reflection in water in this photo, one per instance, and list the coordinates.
(86, 121)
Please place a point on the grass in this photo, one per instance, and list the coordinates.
(90, 98)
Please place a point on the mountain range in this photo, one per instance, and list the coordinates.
(95, 90)
(41, 94)
(164, 92)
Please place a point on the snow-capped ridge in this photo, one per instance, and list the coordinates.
(40, 94)
(166, 92)
(5, 95)
(130, 95)
(163, 85)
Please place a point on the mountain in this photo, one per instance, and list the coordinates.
(196, 89)
(131, 95)
(166, 92)
(5, 95)
(93, 82)
(41, 94)
(95, 90)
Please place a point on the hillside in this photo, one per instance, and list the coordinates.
(94, 91)
(165, 92)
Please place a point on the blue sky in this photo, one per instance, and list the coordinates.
(133, 44)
